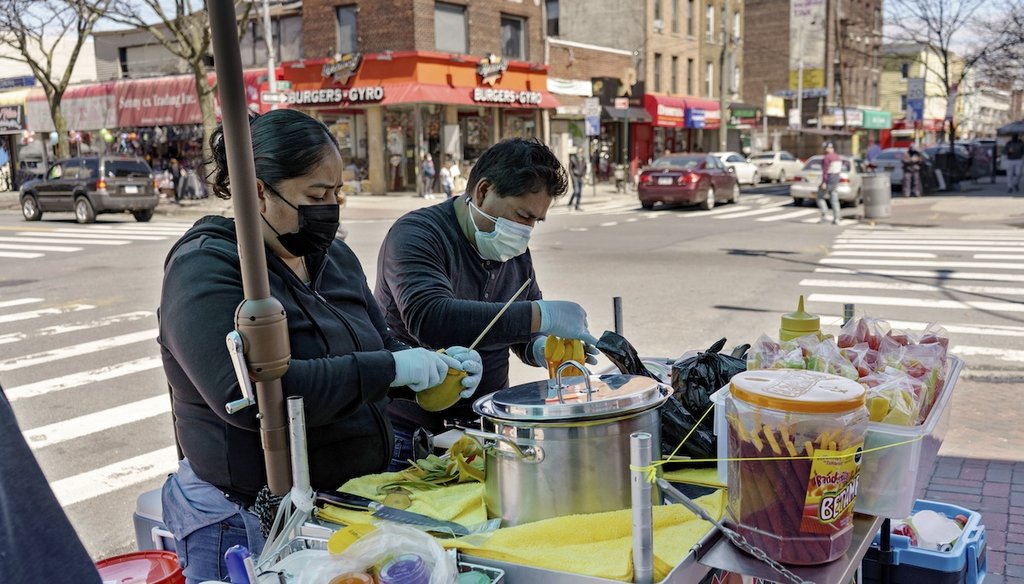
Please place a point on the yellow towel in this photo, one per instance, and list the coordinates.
(599, 544)
(705, 477)
(462, 503)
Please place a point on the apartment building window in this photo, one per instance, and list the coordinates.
(450, 28)
(904, 70)
(709, 78)
(675, 75)
(689, 77)
(689, 17)
(736, 25)
(122, 60)
(348, 42)
(735, 79)
(724, 24)
(551, 7)
(675, 16)
(903, 102)
(657, 9)
(709, 23)
(513, 37)
(657, 72)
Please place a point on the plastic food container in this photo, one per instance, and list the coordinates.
(795, 442)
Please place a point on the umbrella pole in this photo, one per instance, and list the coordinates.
(260, 318)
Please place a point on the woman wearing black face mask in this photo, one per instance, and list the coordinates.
(345, 362)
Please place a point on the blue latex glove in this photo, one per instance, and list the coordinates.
(471, 363)
(564, 319)
(421, 369)
(537, 350)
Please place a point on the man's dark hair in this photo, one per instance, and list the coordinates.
(518, 166)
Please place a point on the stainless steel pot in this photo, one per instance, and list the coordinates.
(560, 448)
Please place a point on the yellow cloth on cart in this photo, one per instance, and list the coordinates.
(461, 503)
(705, 477)
(599, 544)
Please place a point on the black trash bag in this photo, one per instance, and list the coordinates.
(676, 423)
(622, 354)
(696, 378)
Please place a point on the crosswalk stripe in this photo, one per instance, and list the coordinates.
(764, 210)
(1013, 355)
(885, 254)
(713, 212)
(138, 231)
(12, 338)
(939, 274)
(19, 302)
(82, 378)
(785, 216)
(938, 243)
(909, 287)
(116, 476)
(16, 246)
(76, 350)
(918, 302)
(995, 256)
(73, 428)
(67, 234)
(98, 323)
(32, 240)
(960, 329)
(931, 247)
(921, 264)
(15, 317)
(180, 228)
(841, 221)
(981, 235)
(20, 255)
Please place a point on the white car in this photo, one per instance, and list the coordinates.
(805, 187)
(777, 166)
(746, 172)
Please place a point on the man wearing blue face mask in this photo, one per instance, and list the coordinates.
(445, 271)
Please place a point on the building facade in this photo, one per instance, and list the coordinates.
(912, 91)
(983, 109)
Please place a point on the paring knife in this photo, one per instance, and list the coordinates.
(350, 501)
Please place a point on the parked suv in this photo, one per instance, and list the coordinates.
(91, 185)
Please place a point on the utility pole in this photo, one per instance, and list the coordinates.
(268, 38)
(800, 82)
(723, 102)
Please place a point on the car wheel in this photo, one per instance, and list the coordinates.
(30, 208)
(754, 180)
(782, 176)
(709, 202)
(143, 215)
(84, 212)
(798, 202)
(647, 205)
(735, 194)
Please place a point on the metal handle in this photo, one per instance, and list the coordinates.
(532, 454)
(558, 379)
(237, 352)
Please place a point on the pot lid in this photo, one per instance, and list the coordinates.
(610, 396)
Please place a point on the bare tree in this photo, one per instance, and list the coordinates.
(184, 31)
(36, 30)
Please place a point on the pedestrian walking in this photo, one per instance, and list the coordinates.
(175, 169)
(1014, 153)
(912, 172)
(427, 170)
(873, 150)
(447, 182)
(577, 169)
(828, 190)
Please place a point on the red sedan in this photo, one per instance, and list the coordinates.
(688, 179)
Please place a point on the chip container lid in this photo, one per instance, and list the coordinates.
(792, 390)
(609, 396)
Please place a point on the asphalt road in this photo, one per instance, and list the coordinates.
(77, 317)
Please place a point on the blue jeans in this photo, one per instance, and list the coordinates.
(577, 191)
(402, 453)
(830, 190)
(201, 553)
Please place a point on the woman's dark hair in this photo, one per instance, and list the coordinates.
(518, 166)
(285, 144)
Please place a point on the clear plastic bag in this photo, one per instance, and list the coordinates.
(387, 541)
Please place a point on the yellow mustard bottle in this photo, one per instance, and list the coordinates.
(799, 323)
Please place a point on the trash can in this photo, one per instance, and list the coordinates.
(877, 191)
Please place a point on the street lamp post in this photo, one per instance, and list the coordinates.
(268, 38)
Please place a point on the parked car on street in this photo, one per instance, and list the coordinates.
(92, 185)
(777, 166)
(688, 179)
(890, 161)
(805, 186)
(954, 168)
(746, 172)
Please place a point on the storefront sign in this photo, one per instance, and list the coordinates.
(491, 69)
(695, 118)
(85, 107)
(667, 111)
(13, 82)
(877, 120)
(485, 95)
(607, 89)
(337, 95)
(578, 87)
(12, 119)
(774, 106)
(342, 67)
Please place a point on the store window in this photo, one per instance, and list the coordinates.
(657, 9)
(736, 26)
(657, 72)
(513, 37)
(904, 70)
(551, 7)
(450, 28)
(709, 79)
(348, 42)
(675, 75)
(689, 77)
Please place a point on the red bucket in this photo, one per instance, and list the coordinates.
(151, 567)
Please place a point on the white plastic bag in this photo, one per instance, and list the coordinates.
(376, 549)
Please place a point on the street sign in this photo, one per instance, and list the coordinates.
(915, 110)
(794, 118)
(593, 124)
(269, 97)
(282, 85)
(592, 106)
(621, 103)
(915, 88)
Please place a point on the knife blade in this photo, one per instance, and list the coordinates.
(350, 501)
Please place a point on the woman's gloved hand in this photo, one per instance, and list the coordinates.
(471, 363)
(565, 319)
(420, 369)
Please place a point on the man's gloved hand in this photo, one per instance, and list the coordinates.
(421, 369)
(471, 363)
(565, 319)
(537, 351)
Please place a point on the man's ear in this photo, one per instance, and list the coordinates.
(261, 195)
(481, 188)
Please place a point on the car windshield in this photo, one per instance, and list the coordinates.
(764, 157)
(684, 162)
(126, 168)
(815, 164)
(890, 155)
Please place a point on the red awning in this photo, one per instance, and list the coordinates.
(666, 111)
(85, 107)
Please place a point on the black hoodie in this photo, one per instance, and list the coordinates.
(341, 361)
